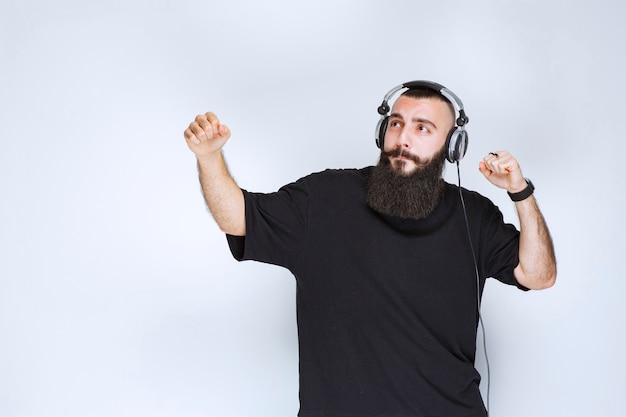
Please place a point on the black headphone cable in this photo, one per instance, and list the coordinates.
(480, 319)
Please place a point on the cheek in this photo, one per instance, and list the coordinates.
(390, 145)
(429, 149)
(439, 144)
(390, 140)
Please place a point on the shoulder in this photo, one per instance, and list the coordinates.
(339, 174)
(475, 205)
(470, 197)
(335, 186)
(322, 180)
(336, 177)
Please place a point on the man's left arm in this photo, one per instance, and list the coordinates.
(537, 262)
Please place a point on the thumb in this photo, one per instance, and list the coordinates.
(224, 131)
(482, 167)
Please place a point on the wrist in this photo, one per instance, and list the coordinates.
(209, 158)
(524, 193)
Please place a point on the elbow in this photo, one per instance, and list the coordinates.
(548, 278)
(537, 280)
(552, 278)
(546, 281)
(231, 221)
(233, 229)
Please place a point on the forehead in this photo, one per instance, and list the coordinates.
(432, 108)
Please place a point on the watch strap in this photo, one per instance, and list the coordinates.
(525, 193)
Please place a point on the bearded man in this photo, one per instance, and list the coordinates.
(390, 261)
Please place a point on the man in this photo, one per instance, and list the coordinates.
(390, 261)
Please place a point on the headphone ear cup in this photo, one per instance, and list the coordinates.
(457, 144)
(381, 130)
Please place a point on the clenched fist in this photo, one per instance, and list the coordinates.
(206, 135)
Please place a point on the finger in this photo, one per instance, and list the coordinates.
(484, 169)
(214, 121)
(206, 123)
(503, 153)
(199, 130)
(499, 162)
(506, 163)
(191, 137)
(490, 162)
(490, 158)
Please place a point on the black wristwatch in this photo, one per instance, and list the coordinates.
(525, 193)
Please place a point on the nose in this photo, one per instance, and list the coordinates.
(404, 141)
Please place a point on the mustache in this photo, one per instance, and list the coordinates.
(396, 152)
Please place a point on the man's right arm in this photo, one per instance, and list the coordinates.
(206, 136)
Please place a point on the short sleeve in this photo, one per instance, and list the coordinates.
(275, 226)
(499, 247)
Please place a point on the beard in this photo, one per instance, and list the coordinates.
(414, 195)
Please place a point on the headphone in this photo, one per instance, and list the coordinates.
(457, 138)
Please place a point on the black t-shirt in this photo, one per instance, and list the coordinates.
(386, 307)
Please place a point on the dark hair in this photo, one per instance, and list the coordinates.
(425, 92)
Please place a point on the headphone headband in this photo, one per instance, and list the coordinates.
(448, 94)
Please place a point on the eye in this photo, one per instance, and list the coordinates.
(395, 123)
(423, 129)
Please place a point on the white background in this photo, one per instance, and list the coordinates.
(118, 295)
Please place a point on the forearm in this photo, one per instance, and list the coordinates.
(537, 262)
(223, 196)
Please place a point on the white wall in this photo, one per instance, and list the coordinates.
(118, 295)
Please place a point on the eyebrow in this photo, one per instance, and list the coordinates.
(414, 120)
